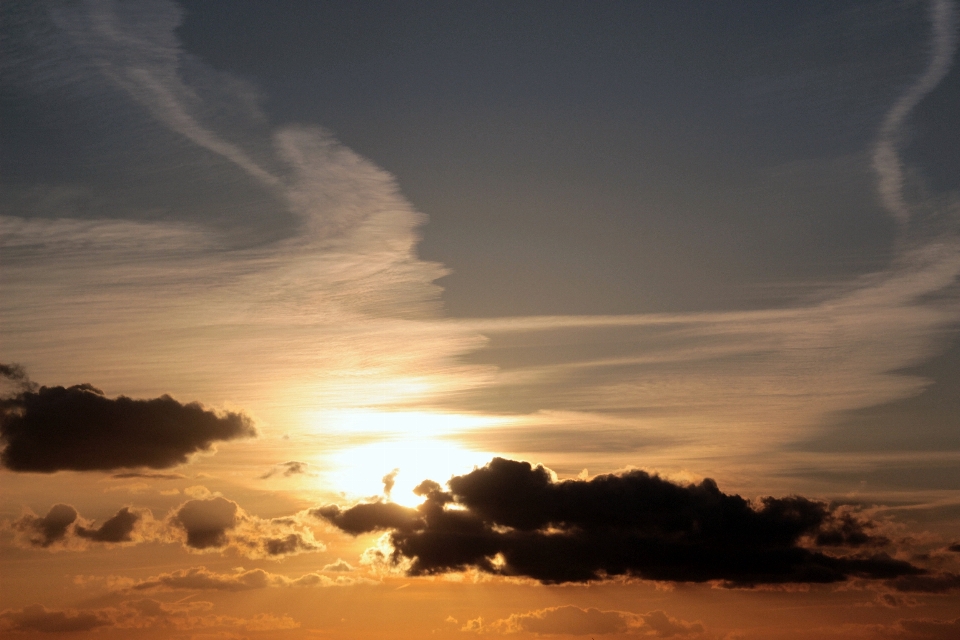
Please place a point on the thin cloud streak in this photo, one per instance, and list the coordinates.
(886, 160)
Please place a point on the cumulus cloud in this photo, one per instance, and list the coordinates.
(571, 620)
(116, 529)
(514, 519)
(79, 428)
(216, 524)
(63, 528)
(206, 522)
(51, 528)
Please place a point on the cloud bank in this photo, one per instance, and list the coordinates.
(135, 615)
(574, 621)
(513, 519)
(78, 428)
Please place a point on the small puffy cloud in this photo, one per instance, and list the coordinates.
(216, 524)
(206, 522)
(287, 469)
(389, 481)
(78, 428)
(515, 519)
(116, 529)
(50, 529)
(571, 620)
(339, 565)
(63, 528)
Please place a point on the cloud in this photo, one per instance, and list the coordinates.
(373, 516)
(919, 629)
(116, 529)
(389, 481)
(945, 582)
(50, 529)
(202, 579)
(511, 518)
(287, 469)
(38, 618)
(135, 614)
(339, 565)
(78, 428)
(63, 528)
(886, 161)
(571, 620)
(218, 524)
(154, 476)
(206, 522)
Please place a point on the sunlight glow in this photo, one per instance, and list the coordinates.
(359, 471)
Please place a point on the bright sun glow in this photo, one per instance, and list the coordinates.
(415, 443)
(359, 471)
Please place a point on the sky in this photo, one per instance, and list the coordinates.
(543, 319)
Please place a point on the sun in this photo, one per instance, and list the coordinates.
(410, 447)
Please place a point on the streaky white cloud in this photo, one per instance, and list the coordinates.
(886, 160)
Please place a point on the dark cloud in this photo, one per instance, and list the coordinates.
(78, 428)
(374, 516)
(206, 522)
(17, 375)
(512, 518)
(50, 529)
(116, 529)
(937, 583)
(37, 618)
(954, 547)
(287, 469)
(153, 476)
(218, 524)
(62, 527)
(286, 545)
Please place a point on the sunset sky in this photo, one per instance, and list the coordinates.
(333, 319)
